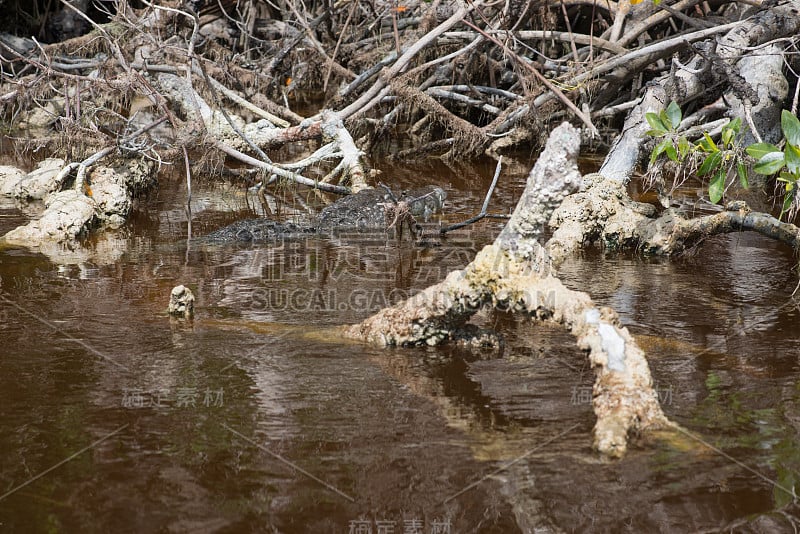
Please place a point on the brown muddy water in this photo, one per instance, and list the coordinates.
(255, 419)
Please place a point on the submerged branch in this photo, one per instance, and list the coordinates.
(482, 214)
(514, 274)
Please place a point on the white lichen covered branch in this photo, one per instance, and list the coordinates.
(514, 274)
(235, 136)
(70, 213)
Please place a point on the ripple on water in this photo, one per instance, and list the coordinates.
(215, 418)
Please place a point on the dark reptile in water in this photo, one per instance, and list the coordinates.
(368, 210)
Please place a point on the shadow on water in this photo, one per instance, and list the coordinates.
(254, 418)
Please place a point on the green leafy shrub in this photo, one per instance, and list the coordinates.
(726, 160)
(708, 158)
(772, 160)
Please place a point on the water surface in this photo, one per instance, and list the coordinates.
(255, 418)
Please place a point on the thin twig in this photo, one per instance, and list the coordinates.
(97, 156)
(338, 44)
(188, 197)
(539, 76)
(485, 206)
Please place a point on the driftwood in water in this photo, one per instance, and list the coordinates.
(514, 274)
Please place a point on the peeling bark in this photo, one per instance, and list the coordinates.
(761, 70)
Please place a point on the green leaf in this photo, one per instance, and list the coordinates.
(655, 133)
(792, 155)
(770, 163)
(735, 125)
(661, 147)
(655, 123)
(664, 119)
(727, 137)
(759, 150)
(683, 147)
(673, 114)
(706, 144)
(787, 177)
(787, 202)
(710, 163)
(710, 141)
(671, 153)
(791, 127)
(742, 172)
(717, 187)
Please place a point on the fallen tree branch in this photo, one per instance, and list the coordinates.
(277, 121)
(686, 83)
(256, 136)
(737, 217)
(374, 94)
(462, 99)
(650, 53)
(472, 138)
(283, 173)
(603, 211)
(513, 274)
(333, 128)
(635, 30)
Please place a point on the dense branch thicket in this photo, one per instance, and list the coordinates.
(448, 78)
